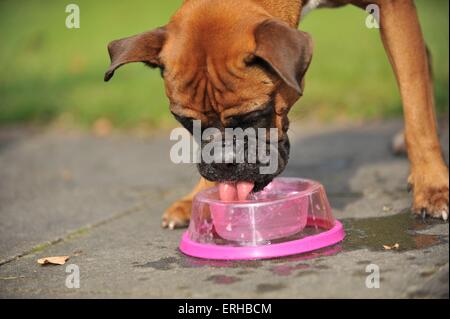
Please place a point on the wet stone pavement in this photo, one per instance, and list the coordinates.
(99, 200)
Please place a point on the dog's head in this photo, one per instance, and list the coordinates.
(227, 64)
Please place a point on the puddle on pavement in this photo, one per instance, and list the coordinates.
(183, 261)
(287, 269)
(223, 279)
(401, 229)
(365, 233)
(263, 288)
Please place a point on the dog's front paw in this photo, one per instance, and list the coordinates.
(431, 192)
(178, 214)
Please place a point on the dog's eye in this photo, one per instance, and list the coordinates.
(187, 122)
(246, 120)
(258, 62)
(251, 118)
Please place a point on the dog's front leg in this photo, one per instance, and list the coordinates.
(179, 213)
(404, 43)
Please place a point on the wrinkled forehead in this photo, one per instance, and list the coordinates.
(207, 29)
(204, 58)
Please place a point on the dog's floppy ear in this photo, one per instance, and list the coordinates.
(287, 50)
(144, 47)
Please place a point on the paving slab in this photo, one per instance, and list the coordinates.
(54, 183)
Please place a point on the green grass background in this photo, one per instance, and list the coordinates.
(48, 72)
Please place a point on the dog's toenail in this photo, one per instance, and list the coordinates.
(445, 215)
(172, 225)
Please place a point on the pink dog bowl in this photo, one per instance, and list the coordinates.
(290, 216)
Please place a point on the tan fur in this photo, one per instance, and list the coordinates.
(205, 58)
(178, 214)
(208, 41)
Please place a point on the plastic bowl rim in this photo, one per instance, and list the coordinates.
(314, 186)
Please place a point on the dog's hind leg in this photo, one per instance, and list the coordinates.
(179, 213)
(405, 46)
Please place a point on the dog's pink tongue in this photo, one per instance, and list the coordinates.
(235, 191)
(244, 189)
(227, 192)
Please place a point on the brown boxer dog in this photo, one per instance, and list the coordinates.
(241, 63)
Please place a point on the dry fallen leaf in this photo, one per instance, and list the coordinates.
(56, 260)
(396, 246)
(386, 209)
